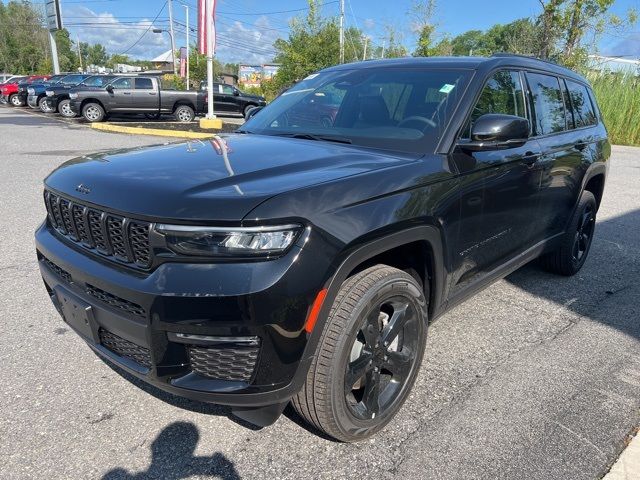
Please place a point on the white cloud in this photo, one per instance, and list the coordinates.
(246, 43)
(116, 36)
(369, 23)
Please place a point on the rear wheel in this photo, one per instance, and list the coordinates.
(569, 258)
(184, 113)
(93, 112)
(64, 107)
(368, 357)
(247, 109)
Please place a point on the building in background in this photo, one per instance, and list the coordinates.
(164, 62)
(254, 75)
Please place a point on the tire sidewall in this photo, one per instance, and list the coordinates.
(586, 199)
(394, 285)
(187, 108)
(100, 109)
(66, 101)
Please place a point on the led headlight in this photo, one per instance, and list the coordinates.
(227, 242)
(73, 96)
(50, 93)
(31, 91)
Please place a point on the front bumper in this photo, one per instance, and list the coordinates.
(32, 101)
(75, 106)
(268, 300)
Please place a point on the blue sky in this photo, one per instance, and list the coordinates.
(247, 28)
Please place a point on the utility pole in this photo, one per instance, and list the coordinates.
(173, 40)
(186, 8)
(79, 53)
(341, 31)
(364, 55)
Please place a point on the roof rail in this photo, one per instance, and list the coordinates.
(518, 55)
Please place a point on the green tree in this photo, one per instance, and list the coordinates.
(24, 46)
(423, 13)
(96, 55)
(67, 55)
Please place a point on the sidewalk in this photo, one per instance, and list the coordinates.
(627, 467)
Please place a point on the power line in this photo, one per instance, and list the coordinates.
(147, 30)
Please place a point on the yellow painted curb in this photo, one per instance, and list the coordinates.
(211, 123)
(107, 127)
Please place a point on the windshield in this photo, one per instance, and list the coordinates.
(402, 109)
(97, 81)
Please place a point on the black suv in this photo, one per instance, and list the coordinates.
(302, 264)
(228, 99)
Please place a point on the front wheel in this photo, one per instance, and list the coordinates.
(570, 256)
(184, 113)
(93, 112)
(14, 100)
(44, 106)
(368, 356)
(64, 107)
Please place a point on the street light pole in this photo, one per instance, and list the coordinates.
(186, 8)
(173, 41)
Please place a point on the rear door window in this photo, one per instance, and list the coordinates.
(548, 103)
(583, 112)
(144, 84)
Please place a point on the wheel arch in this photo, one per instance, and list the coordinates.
(91, 100)
(180, 103)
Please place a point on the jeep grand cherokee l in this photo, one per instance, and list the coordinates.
(287, 263)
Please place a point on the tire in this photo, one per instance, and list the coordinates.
(569, 258)
(64, 108)
(247, 109)
(184, 113)
(14, 100)
(44, 106)
(352, 349)
(93, 112)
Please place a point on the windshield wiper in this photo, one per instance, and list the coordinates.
(311, 136)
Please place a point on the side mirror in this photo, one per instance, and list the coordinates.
(109, 88)
(236, 93)
(251, 113)
(495, 131)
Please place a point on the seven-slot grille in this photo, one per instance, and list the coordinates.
(110, 235)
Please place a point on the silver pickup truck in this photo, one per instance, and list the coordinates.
(135, 95)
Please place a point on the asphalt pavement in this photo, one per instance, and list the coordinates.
(536, 377)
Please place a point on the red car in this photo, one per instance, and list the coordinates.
(8, 91)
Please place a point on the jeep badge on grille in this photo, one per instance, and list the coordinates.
(83, 189)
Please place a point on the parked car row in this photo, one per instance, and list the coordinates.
(95, 97)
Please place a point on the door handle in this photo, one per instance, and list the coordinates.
(530, 158)
(126, 93)
(152, 93)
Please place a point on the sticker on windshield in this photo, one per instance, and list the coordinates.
(311, 77)
(446, 88)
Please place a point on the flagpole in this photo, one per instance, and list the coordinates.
(210, 43)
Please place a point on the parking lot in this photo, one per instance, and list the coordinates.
(536, 377)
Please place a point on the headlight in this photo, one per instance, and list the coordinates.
(50, 93)
(73, 96)
(31, 91)
(227, 242)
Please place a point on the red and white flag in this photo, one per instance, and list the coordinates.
(202, 25)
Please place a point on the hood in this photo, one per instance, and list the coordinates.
(196, 180)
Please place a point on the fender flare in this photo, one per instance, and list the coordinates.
(427, 233)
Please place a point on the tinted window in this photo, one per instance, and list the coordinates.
(581, 107)
(98, 81)
(144, 84)
(400, 109)
(122, 83)
(72, 79)
(227, 89)
(502, 94)
(548, 103)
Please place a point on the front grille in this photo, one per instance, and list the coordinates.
(112, 236)
(125, 348)
(61, 272)
(235, 364)
(115, 301)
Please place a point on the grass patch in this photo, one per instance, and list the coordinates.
(618, 97)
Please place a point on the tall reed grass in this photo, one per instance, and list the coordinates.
(618, 96)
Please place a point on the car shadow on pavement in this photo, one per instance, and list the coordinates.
(606, 290)
(172, 457)
(180, 402)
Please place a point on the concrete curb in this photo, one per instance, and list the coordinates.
(106, 127)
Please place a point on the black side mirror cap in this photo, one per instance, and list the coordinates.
(109, 88)
(494, 131)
